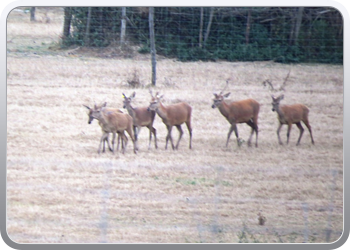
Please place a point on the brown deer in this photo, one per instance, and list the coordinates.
(291, 114)
(141, 118)
(120, 135)
(172, 115)
(113, 121)
(245, 111)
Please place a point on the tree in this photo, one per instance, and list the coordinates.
(32, 14)
(87, 31)
(294, 34)
(209, 24)
(123, 27)
(201, 29)
(67, 22)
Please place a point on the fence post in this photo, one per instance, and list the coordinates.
(153, 47)
(306, 222)
(331, 206)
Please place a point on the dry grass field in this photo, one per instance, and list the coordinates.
(59, 190)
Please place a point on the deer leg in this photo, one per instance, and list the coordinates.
(109, 146)
(180, 135)
(113, 141)
(233, 127)
(124, 140)
(251, 124)
(288, 131)
(168, 137)
(301, 129)
(136, 135)
(256, 134)
(155, 137)
(103, 137)
(310, 131)
(119, 141)
(130, 132)
(278, 134)
(188, 124)
(104, 142)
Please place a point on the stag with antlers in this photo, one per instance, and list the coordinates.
(291, 114)
(172, 115)
(244, 111)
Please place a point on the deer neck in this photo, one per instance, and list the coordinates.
(102, 119)
(224, 109)
(162, 111)
(280, 113)
(131, 111)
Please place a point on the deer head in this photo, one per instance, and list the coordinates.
(127, 100)
(276, 101)
(219, 98)
(94, 113)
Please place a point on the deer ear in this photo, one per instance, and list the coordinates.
(86, 107)
(226, 95)
(124, 96)
(133, 94)
(105, 104)
(281, 97)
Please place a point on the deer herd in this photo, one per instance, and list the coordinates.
(115, 121)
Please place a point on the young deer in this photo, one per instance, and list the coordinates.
(120, 135)
(141, 118)
(113, 121)
(291, 114)
(172, 115)
(245, 111)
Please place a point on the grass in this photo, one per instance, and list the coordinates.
(59, 190)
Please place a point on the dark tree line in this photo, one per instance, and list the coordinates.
(288, 34)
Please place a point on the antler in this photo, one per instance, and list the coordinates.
(285, 80)
(224, 87)
(150, 91)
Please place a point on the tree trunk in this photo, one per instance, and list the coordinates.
(247, 31)
(201, 29)
(209, 24)
(87, 31)
(153, 47)
(296, 24)
(123, 27)
(32, 14)
(67, 22)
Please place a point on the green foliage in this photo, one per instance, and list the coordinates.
(177, 32)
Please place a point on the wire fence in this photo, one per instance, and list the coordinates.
(298, 34)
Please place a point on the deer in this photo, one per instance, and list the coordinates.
(244, 111)
(120, 135)
(113, 121)
(291, 114)
(141, 118)
(172, 115)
